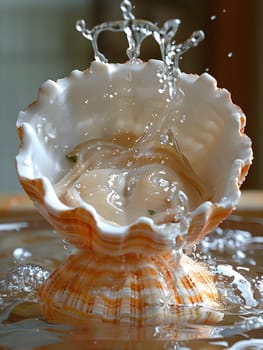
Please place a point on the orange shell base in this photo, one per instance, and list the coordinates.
(131, 289)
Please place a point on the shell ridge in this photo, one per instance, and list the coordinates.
(134, 301)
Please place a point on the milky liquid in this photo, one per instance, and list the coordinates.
(31, 251)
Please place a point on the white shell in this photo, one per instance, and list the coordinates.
(111, 98)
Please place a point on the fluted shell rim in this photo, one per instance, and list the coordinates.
(203, 218)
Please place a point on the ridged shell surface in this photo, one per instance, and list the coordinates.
(112, 101)
(130, 290)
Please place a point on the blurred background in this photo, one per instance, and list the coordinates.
(38, 41)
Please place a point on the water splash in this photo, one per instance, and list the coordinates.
(23, 278)
(136, 31)
(235, 268)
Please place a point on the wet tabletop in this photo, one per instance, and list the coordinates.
(29, 247)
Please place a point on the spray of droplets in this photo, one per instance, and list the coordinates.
(136, 31)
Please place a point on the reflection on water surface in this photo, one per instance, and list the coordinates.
(30, 250)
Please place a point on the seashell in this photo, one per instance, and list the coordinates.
(131, 177)
(117, 170)
(160, 289)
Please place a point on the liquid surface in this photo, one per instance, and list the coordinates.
(116, 176)
(30, 250)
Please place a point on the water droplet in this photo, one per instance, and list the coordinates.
(80, 25)
(21, 253)
(183, 118)
(52, 133)
(148, 127)
(126, 8)
(164, 139)
(164, 183)
(162, 89)
(27, 162)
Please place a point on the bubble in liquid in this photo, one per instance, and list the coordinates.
(230, 54)
(213, 18)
